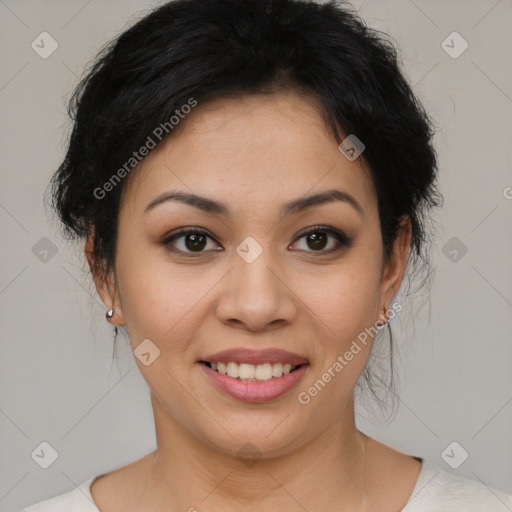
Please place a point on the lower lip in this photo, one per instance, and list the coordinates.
(249, 391)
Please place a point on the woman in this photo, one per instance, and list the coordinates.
(252, 179)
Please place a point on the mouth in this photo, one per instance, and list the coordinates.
(254, 376)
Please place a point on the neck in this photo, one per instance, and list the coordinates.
(186, 473)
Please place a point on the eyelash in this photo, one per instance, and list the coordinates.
(342, 238)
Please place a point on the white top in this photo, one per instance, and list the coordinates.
(436, 490)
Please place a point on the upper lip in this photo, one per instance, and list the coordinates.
(249, 356)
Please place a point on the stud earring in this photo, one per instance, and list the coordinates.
(109, 315)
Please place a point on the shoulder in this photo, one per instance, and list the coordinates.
(439, 490)
(77, 500)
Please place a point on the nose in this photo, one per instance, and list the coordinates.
(256, 296)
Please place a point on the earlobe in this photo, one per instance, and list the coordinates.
(383, 318)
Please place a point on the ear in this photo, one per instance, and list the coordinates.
(104, 281)
(394, 268)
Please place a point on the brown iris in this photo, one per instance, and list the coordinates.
(317, 240)
(195, 241)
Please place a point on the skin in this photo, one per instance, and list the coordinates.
(254, 154)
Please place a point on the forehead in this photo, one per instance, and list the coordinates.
(262, 149)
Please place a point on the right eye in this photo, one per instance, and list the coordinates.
(192, 242)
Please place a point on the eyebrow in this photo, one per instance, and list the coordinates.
(292, 207)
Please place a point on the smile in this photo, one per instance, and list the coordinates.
(254, 375)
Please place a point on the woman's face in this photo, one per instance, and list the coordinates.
(253, 279)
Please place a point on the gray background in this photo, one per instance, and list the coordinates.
(57, 381)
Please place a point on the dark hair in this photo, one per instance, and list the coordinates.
(206, 49)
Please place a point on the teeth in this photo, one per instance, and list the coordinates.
(245, 371)
(263, 371)
(232, 370)
(277, 370)
(253, 372)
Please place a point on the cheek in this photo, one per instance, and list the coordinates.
(343, 307)
(344, 301)
(160, 301)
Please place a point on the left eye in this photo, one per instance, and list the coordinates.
(317, 239)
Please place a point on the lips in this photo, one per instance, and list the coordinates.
(260, 386)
